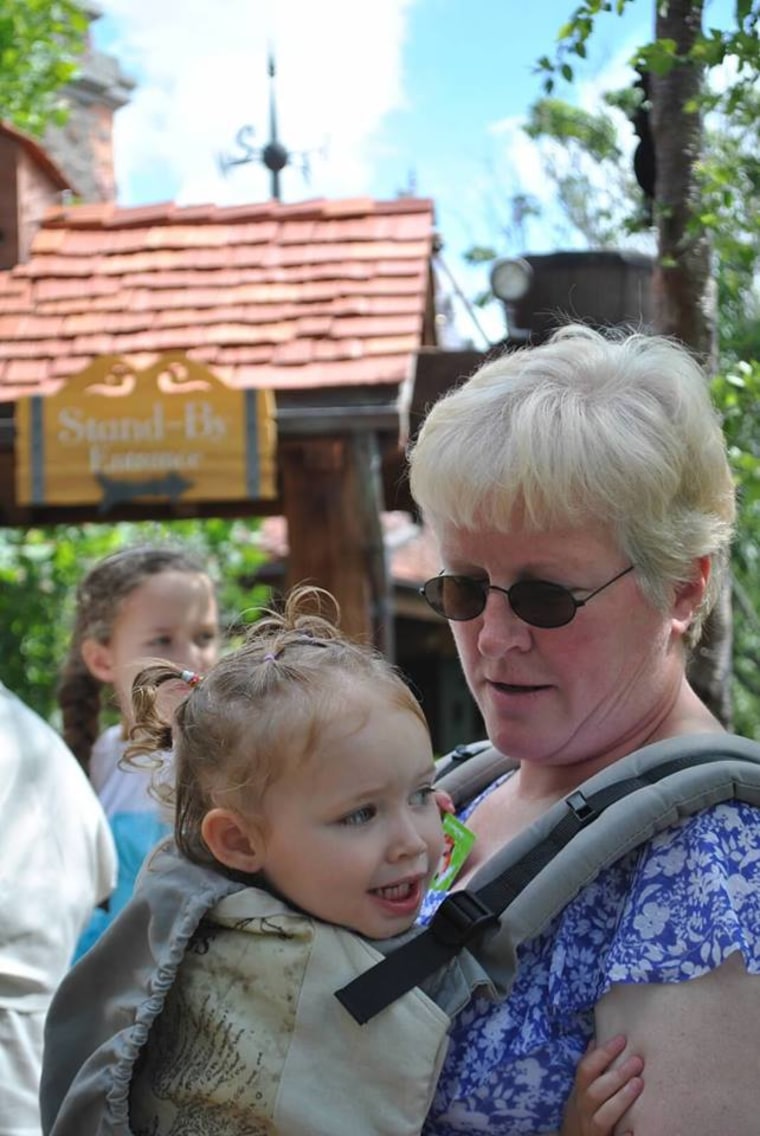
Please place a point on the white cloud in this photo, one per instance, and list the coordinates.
(201, 71)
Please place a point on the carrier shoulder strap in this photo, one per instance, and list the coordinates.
(520, 889)
(469, 769)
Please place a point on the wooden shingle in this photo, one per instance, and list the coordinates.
(321, 293)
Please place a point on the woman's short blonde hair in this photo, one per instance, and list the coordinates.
(615, 427)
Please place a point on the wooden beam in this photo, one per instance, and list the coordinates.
(333, 529)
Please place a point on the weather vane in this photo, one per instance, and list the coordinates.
(273, 155)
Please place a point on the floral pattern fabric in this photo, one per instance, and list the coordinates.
(671, 910)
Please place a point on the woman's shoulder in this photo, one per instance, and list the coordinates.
(694, 857)
(719, 838)
(673, 909)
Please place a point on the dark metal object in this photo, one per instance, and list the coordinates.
(273, 155)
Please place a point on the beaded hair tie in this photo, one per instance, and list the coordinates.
(191, 677)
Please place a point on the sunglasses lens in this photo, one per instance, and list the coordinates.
(455, 597)
(542, 604)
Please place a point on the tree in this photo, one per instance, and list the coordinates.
(592, 205)
(675, 64)
(723, 188)
(737, 393)
(40, 44)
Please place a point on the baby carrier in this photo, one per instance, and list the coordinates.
(367, 1031)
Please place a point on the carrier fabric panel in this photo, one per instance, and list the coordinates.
(252, 1040)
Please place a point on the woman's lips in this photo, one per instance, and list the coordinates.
(517, 688)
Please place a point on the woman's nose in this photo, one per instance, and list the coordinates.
(500, 629)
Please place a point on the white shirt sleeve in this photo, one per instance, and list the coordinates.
(57, 863)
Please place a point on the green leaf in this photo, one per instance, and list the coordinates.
(659, 57)
(743, 10)
(40, 43)
(480, 254)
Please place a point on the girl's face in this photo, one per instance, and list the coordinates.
(352, 834)
(170, 615)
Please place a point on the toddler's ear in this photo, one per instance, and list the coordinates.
(229, 843)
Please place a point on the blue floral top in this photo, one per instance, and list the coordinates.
(668, 911)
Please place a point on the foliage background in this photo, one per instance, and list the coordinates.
(41, 42)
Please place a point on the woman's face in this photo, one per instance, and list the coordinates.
(591, 690)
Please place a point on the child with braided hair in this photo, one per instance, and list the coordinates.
(307, 826)
(143, 601)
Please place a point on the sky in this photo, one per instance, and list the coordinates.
(383, 96)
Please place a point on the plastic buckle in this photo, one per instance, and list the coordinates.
(462, 753)
(460, 919)
(579, 805)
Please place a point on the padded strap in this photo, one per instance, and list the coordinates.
(469, 769)
(466, 916)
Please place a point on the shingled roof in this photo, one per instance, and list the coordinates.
(313, 295)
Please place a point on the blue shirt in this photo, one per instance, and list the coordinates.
(137, 820)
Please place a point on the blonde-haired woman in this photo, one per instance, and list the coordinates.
(583, 506)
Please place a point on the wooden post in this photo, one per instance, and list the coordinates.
(331, 497)
(365, 453)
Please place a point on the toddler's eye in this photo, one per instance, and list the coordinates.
(359, 816)
(421, 796)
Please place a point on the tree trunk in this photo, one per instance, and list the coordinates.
(685, 295)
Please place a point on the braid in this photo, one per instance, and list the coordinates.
(79, 699)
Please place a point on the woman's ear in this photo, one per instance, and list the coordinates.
(689, 596)
(97, 659)
(229, 843)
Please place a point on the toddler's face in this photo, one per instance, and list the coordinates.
(353, 834)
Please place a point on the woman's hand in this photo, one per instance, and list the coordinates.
(601, 1094)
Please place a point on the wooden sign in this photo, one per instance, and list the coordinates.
(173, 432)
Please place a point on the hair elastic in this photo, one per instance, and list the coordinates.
(270, 658)
(190, 677)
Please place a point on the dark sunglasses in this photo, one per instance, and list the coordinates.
(537, 602)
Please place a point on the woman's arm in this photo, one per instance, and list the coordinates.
(699, 1040)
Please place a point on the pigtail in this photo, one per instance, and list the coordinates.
(151, 732)
(300, 621)
(151, 737)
